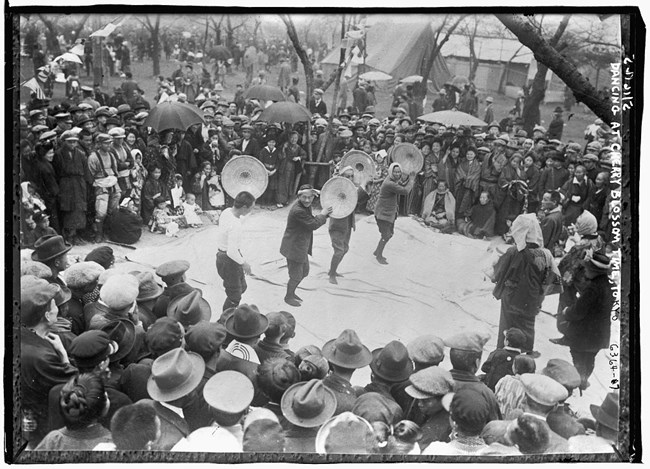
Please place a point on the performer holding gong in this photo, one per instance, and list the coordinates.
(298, 239)
(340, 228)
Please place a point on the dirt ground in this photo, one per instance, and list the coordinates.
(434, 284)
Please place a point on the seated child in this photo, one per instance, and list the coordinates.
(499, 362)
(480, 223)
(216, 195)
(43, 227)
(191, 211)
(162, 221)
(439, 208)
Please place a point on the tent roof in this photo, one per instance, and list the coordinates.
(396, 49)
(492, 49)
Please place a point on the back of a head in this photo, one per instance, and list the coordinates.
(244, 199)
(275, 376)
(82, 400)
(531, 435)
(524, 364)
(464, 360)
(470, 411)
(277, 326)
(291, 329)
(134, 426)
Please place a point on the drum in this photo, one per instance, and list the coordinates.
(408, 156)
(363, 164)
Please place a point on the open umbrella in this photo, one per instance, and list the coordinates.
(375, 75)
(173, 115)
(264, 93)
(187, 34)
(69, 57)
(455, 118)
(413, 79)
(220, 53)
(459, 81)
(285, 112)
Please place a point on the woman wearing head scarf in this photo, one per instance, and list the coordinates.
(439, 208)
(382, 173)
(291, 159)
(431, 153)
(521, 276)
(386, 209)
(467, 177)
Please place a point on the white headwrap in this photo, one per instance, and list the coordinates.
(526, 229)
(392, 167)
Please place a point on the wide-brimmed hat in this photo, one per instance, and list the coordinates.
(246, 322)
(148, 289)
(121, 331)
(308, 404)
(175, 374)
(392, 362)
(229, 391)
(49, 247)
(607, 413)
(347, 351)
(189, 309)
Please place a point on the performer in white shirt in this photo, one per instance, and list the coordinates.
(231, 265)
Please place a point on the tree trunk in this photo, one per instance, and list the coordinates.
(155, 42)
(51, 41)
(547, 55)
(80, 26)
(302, 55)
(98, 62)
(420, 89)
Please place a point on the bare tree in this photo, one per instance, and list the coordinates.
(470, 30)
(54, 24)
(154, 30)
(302, 54)
(440, 38)
(231, 29)
(548, 55)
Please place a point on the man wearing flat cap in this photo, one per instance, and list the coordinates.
(345, 354)
(465, 350)
(543, 394)
(562, 420)
(316, 103)
(173, 274)
(102, 166)
(298, 239)
(44, 361)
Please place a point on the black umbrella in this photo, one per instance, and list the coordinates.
(220, 53)
(264, 93)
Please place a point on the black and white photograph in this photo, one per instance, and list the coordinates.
(337, 235)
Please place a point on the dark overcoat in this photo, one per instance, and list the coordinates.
(299, 234)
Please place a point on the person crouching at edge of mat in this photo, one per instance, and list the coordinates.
(298, 239)
(386, 208)
(341, 229)
(231, 266)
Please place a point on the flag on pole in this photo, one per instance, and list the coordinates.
(34, 87)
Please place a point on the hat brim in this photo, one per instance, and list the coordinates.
(326, 413)
(404, 372)
(416, 393)
(361, 359)
(151, 296)
(162, 395)
(204, 306)
(126, 344)
(262, 325)
(603, 418)
(35, 256)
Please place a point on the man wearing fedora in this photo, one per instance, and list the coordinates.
(172, 386)
(246, 325)
(189, 309)
(305, 407)
(586, 323)
(298, 239)
(44, 361)
(390, 366)
(52, 251)
(345, 354)
(606, 415)
(231, 265)
(148, 291)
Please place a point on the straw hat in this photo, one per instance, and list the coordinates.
(408, 156)
(244, 173)
(340, 194)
